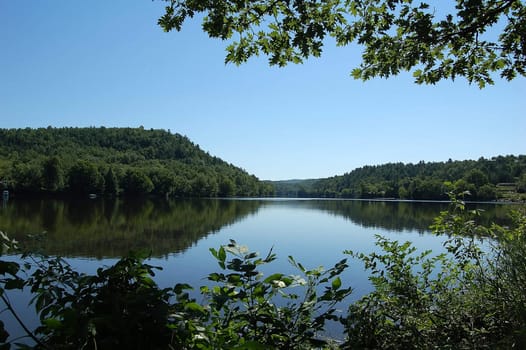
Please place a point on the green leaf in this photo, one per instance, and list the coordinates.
(336, 283)
(273, 277)
(221, 254)
(195, 307)
(14, 284)
(216, 277)
(148, 281)
(52, 323)
(9, 268)
(356, 73)
(234, 278)
(214, 252)
(251, 255)
(287, 280)
(180, 287)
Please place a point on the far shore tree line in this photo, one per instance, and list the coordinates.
(117, 161)
(84, 177)
(138, 162)
(501, 177)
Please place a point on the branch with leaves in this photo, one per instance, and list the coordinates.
(473, 39)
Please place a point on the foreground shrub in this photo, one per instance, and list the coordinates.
(121, 307)
(465, 299)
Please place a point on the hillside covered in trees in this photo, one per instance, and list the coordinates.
(116, 161)
(501, 177)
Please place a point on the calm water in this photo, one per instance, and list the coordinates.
(179, 233)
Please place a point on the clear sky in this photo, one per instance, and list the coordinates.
(107, 63)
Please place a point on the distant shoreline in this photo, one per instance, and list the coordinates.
(68, 196)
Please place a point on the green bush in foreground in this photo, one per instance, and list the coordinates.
(467, 298)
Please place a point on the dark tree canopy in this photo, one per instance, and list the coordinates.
(434, 39)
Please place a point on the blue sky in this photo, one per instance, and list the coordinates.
(107, 63)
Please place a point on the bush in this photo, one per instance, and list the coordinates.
(467, 299)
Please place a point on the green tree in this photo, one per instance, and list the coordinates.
(472, 40)
(84, 178)
(463, 186)
(52, 178)
(111, 184)
(477, 178)
(227, 187)
(204, 186)
(163, 181)
(182, 187)
(136, 182)
(26, 177)
(521, 184)
(171, 161)
(486, 192)
(403, 193)
(466, 299)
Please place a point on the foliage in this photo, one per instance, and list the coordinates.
(434, 41)
(103, 160)
(119, 307)
(467, 299)
(507, 281)
(111, 186)
(245, 307)
(122, 307)
(52, 177)
(419, 181)
(136, 182)
(84, 178)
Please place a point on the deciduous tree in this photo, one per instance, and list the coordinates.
(433, 39)
(52, 178)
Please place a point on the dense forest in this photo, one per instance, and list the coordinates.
(117, 161)
(135, 161)
(501, 177)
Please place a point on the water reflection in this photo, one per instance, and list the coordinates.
(111, 228)
(398, 216)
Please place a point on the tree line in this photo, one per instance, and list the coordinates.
(485, 179)
(117, 161)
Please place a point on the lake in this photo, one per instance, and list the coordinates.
(178, 233)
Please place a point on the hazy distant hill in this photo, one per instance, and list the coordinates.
(501, 177)
(293, 188)
(117, 160)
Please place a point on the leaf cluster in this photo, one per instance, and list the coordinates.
(472, 40)
(121, 307)
(465, 299)
(270, 311)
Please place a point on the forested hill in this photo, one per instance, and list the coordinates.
(501, 177)
(117, 161)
